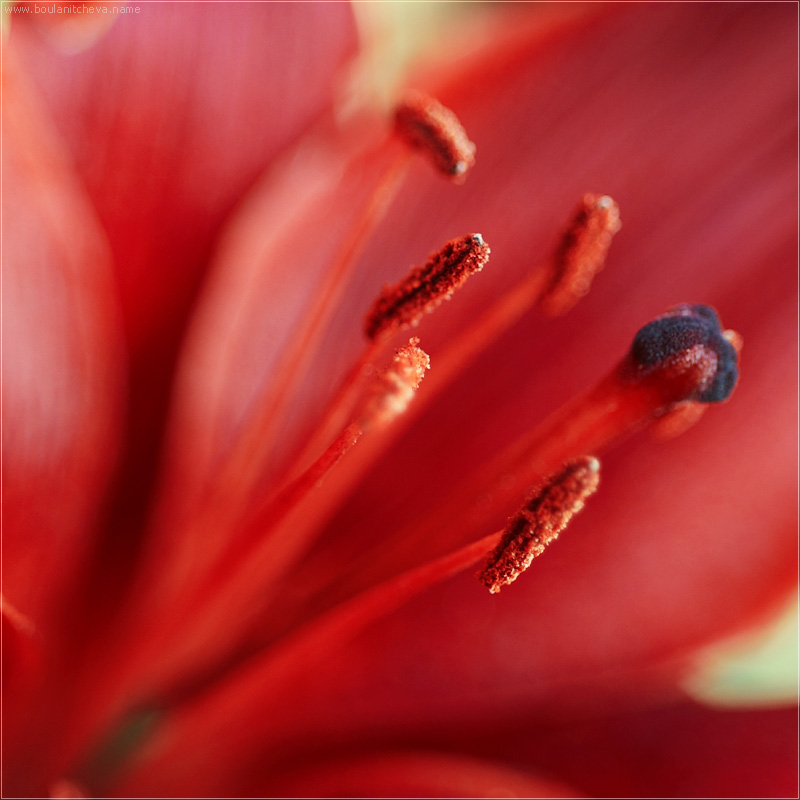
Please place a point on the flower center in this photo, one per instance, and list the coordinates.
(677, 363)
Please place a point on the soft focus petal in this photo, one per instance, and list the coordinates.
(63, 362)
(73, 26)
(681, 750)
(678, 750)
(256, 303)
(63, 386)
(170, 117)
(411, 775)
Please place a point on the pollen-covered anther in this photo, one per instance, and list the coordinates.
(581, 254)
(424, 123)
(686, 355)
(393, 388)
(424, 288)
(545, 514)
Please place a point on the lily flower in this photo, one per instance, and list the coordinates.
(252, 463)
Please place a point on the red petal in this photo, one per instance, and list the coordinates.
(172, 115)
(62, 362)
(62, 389)
(680, 750)
(72, 26)
(408, 775)
(170, 118)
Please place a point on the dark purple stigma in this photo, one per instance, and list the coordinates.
(663, 340)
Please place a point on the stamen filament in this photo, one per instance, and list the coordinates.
(597, 214)
(254, 442)
(270, 538)
(247, 693)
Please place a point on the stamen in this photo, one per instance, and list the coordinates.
(426, 287)
(663, 369)
(394, 387)
(426, 124)
(551, 277)
(274, 535)
(581, 253)
(389, 393)
(545, 514)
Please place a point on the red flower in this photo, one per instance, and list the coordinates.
(194, 241)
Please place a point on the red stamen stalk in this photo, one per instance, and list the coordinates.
(388, 395)
(249, 691)
(255, 440)
(271, 539)
(403, 306)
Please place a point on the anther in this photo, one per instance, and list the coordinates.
(545, 514)
(426, 287)
(393, 388)
(426, 124)
(581, 253)
(687, 353)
